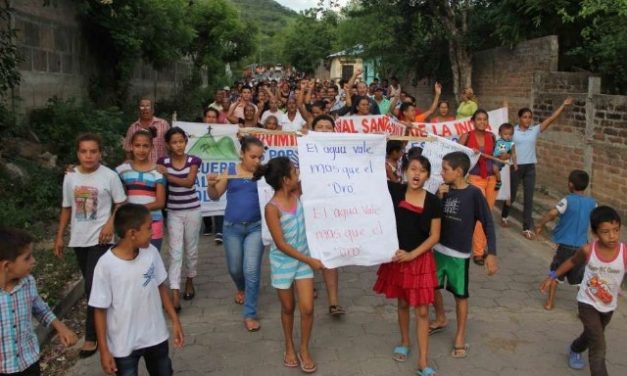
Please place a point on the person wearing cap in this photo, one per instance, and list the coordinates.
(381, 100)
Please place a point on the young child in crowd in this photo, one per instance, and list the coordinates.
(19, 302)
(505, 150)
(393, 154)
(463, 205)
(216, 222)
(605, 263)
(290, 262)
(571, 233)
(144, 184)
(129, 296)
(184, 218)
(411, 276)
(91, 192)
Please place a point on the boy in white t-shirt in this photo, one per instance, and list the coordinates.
(128, 294)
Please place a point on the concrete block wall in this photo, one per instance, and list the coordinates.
(57, 61)
(50, 44)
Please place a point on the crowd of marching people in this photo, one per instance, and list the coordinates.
(118, 219)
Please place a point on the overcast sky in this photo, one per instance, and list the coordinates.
(299, 5)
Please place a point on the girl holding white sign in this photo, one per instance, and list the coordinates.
(290, 261)
(411, 276)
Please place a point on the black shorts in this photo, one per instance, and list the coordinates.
(563, 253)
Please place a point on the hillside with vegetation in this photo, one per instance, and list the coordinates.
(270, 18)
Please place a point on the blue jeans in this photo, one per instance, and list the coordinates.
(244, 251)
(157, 360)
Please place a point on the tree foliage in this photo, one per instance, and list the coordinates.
(9, 74)
(270, 18)
(121, 33)
(403, 41)
(220, 35)
(592, 33)
(309, 38)
(425, 36)
(604, 45)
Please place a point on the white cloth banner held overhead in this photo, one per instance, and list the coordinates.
(453, 130)
(218, 147)
(349, 214)
(434, 151)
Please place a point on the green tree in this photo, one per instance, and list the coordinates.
(604, 36)
(402, 40)
(429, 32)
(220, 37)
(120, 33)
(592, 33)
(270, 18)
(9, 74)
(309, 38)
(9, 59)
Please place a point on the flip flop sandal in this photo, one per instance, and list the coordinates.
(336, 310)
(400, 353)
(288, 364)
(528, 234)
(505, 222)
(427, 371)
(250, 328)
(460, 352)
(189, 295)
(84, 354)
(311, 369)
(239, 298)
(436, 329)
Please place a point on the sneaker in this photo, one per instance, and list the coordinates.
(575, 360)
(218, 238)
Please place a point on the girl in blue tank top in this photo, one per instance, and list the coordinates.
(242, 227)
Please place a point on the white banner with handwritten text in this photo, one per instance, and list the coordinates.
(349, 214)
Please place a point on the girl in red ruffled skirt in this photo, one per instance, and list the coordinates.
(411, 276)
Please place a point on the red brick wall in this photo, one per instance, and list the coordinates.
(526, 76)
(561, 148)
(504, 73)
(609, 143)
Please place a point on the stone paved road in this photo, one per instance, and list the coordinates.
(509, 331)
